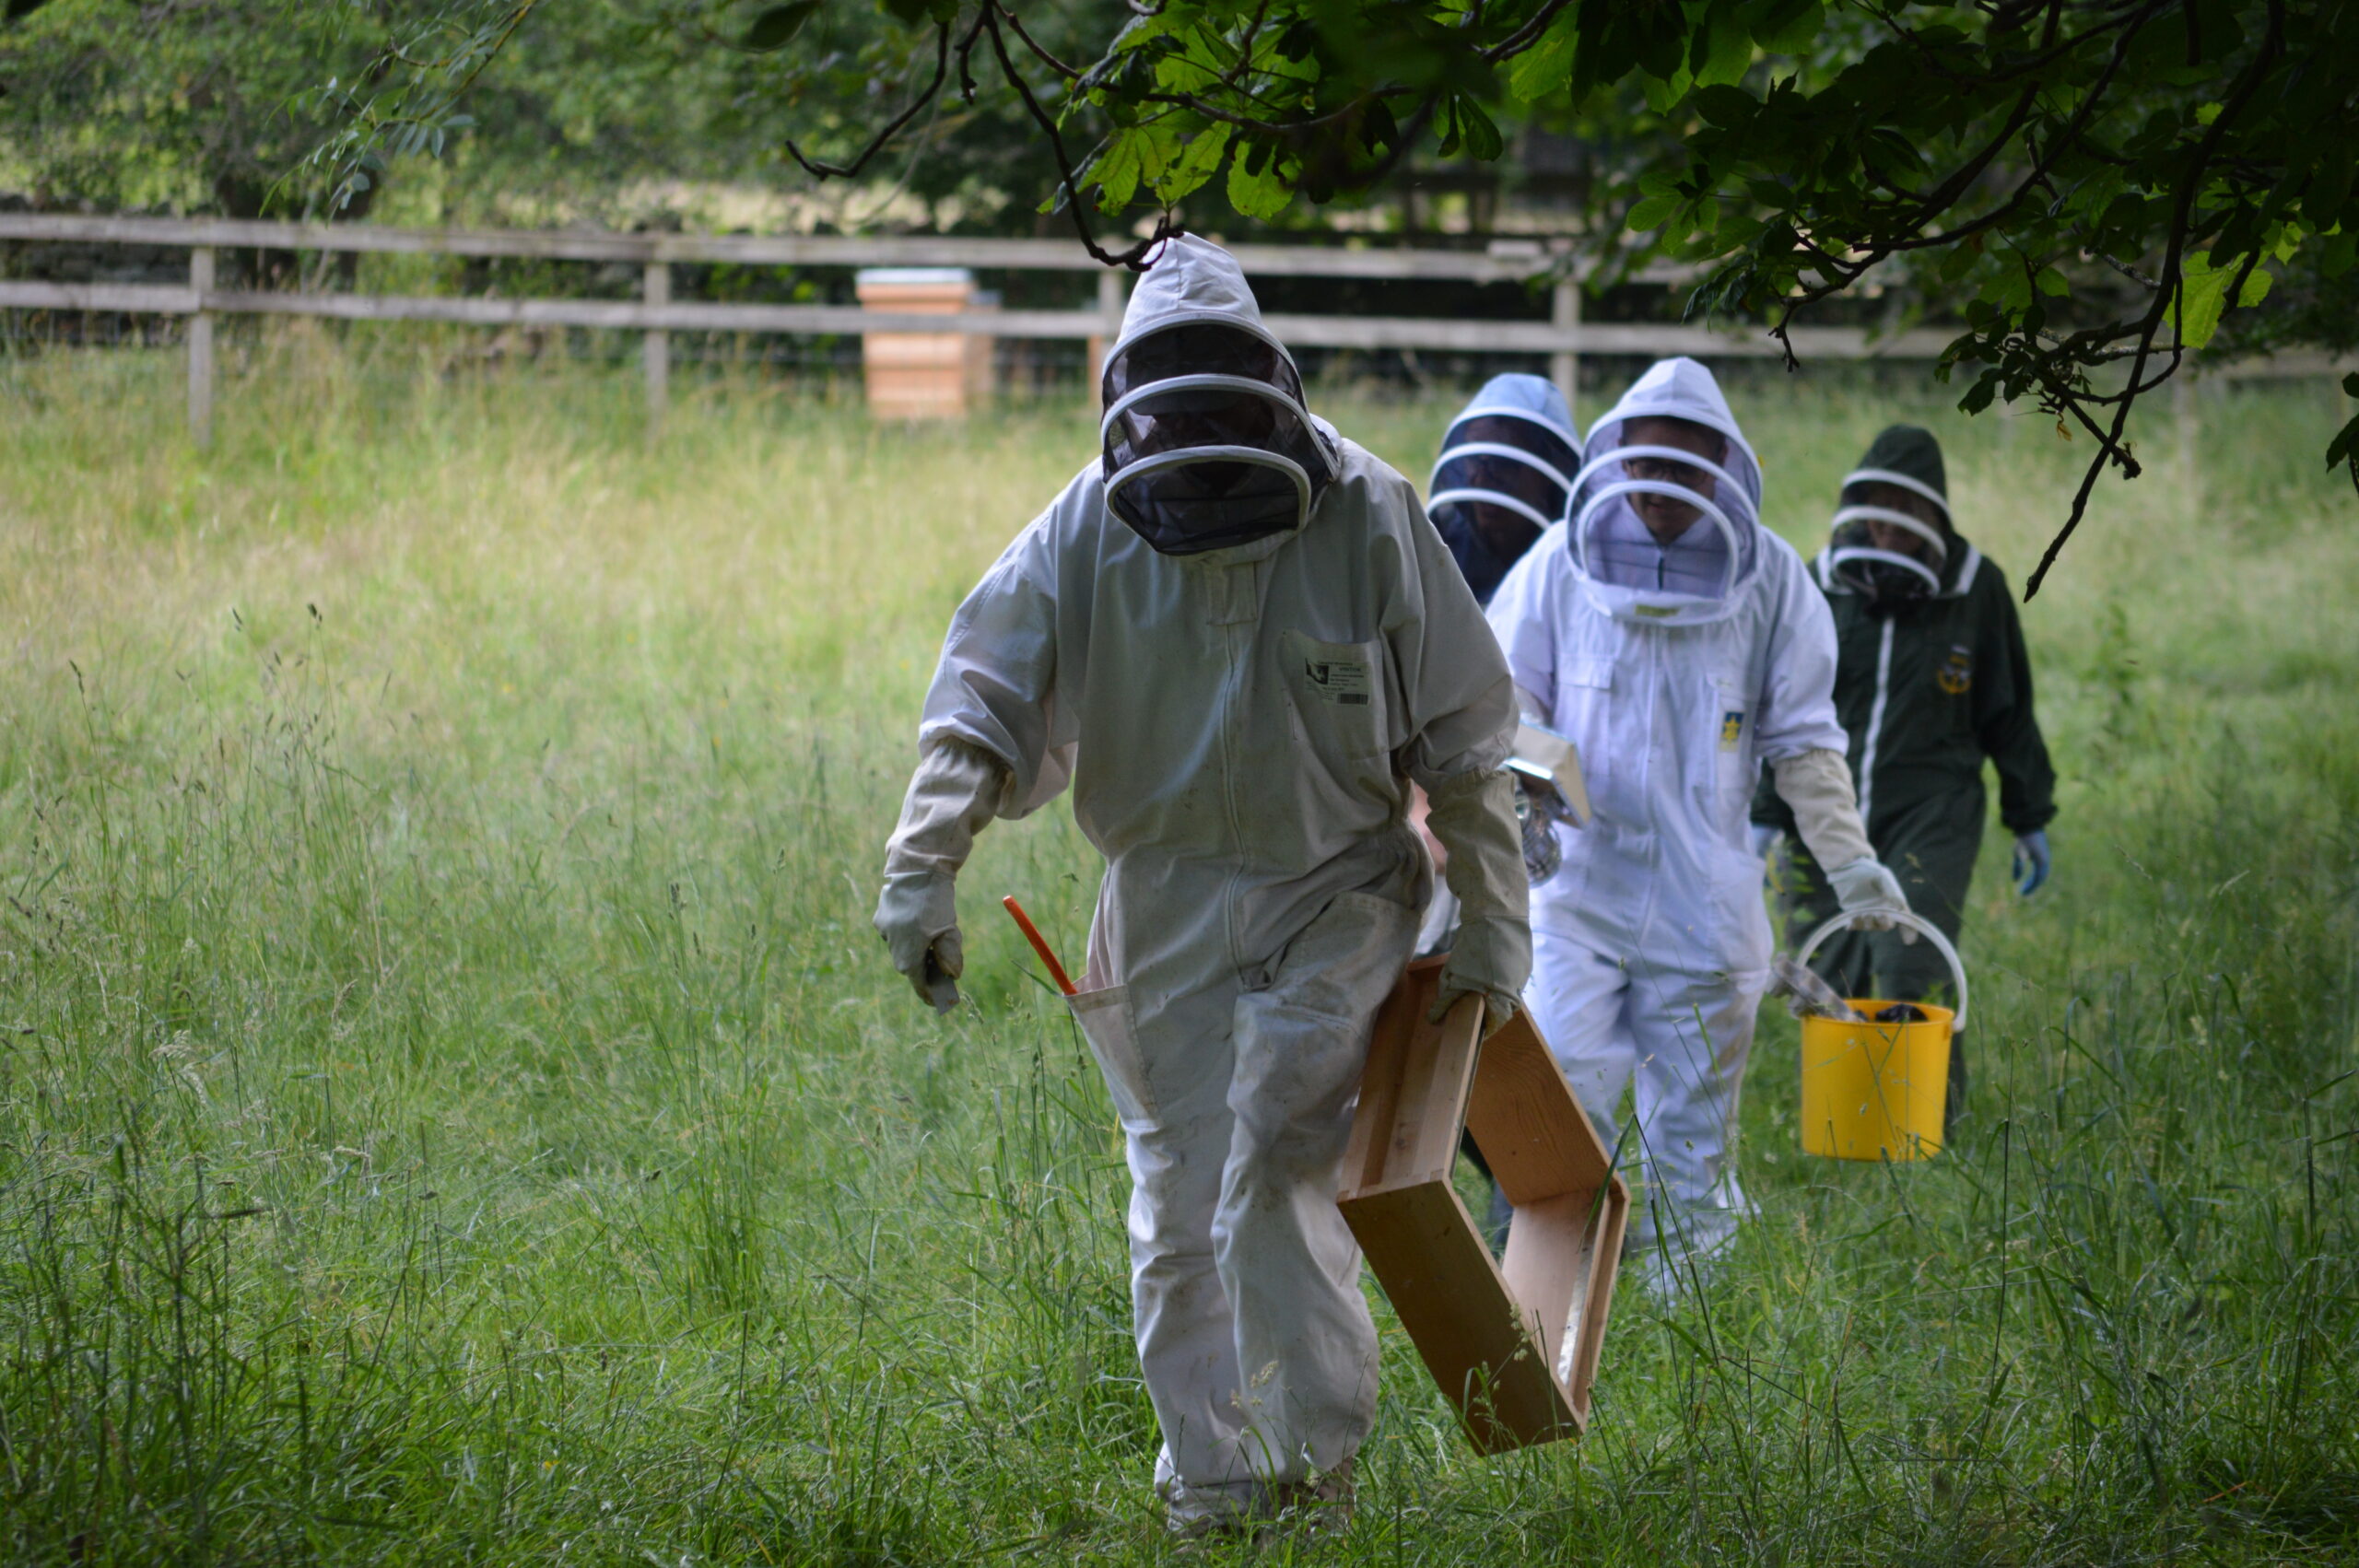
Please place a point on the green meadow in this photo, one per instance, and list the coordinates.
(452, 1108)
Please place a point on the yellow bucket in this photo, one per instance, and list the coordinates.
(1877, 1090)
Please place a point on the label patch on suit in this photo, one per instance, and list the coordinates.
(1731, 728)
(1955, 675)
(1340, 681)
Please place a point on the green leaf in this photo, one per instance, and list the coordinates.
(1138, 30)
(1256, 194)
(2203, 295)
(1127, 157)
(2345, 450)
(1662, 96)
(776, 28)
(1727, 106)
(1194, 165)
(1479, 130)
(2336, 253)
(2010, 290)
(1650, 213)
(2051, 281)
(1730, 54)
(1547, 66)
(1790, 30)
(2345, 442)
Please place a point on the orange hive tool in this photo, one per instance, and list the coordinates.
(1039, 944)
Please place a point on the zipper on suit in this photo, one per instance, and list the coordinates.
(1875, 720)
(1234, 586)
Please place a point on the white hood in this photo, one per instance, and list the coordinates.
(1205, 442)
(1700, 576)
(1192, 280)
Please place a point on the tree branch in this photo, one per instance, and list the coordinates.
(892, 128)
(1134, 258)
(1523, 37)
(1050, 61)
(2191, 182)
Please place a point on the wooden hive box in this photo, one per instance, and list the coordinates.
(1513, 1341)
(923, 375)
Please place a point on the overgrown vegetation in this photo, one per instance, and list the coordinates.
(452, 1107)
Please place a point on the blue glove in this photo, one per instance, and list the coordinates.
(2032, 863)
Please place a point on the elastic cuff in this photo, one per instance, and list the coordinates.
(923, 900)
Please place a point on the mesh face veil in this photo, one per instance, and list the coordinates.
(1886, 575)
(1696, 575)
(1506, 457)
(1506, 464)
(1206, 443)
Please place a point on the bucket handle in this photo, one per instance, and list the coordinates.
(1899, 916)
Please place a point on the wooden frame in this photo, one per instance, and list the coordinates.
(1513, 1341)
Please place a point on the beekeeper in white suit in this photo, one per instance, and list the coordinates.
(1239, 640)
(1680, 645)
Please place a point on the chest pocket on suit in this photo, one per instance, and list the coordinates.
(1581, 687)
(1584, 704)
(1338, 690)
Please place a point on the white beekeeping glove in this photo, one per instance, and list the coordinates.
(1474, 815)
(954, 793)
(1866, 885)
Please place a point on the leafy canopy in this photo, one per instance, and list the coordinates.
(2090, 191)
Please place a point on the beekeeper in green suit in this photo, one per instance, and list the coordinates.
(1931, 678)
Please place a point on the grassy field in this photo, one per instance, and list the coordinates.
(452, 1108)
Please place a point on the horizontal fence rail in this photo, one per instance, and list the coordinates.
(1507, 261)
(1564, 337)
(1311, 332)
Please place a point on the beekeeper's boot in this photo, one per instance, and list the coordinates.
(1321, 1506)
(1201, 1512)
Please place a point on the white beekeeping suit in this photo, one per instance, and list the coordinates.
(1238, 640)
(1677, 667)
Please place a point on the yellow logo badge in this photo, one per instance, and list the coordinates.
(1957, 674)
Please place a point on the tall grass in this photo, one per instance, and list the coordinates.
(452, 1107)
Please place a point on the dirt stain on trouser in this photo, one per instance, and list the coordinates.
(1256, 1343)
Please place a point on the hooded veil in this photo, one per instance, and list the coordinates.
(1903, 457)
(1506, 471)
(1206, 443)
(1698, 576)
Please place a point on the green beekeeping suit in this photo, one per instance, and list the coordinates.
(1933, 677)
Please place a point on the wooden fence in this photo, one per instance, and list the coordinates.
(1564, 337)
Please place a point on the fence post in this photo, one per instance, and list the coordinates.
(200, 349)
(1565, 364)
(655, 350)
(1111, 299)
